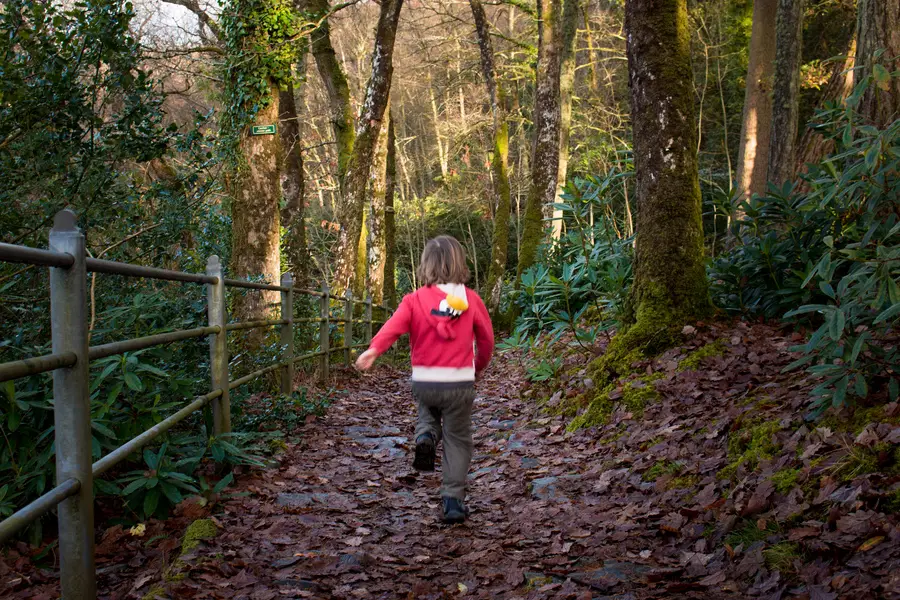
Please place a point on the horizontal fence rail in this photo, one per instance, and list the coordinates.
(71, 356)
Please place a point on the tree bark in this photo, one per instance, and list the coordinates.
(336, 86)
(753, 149)
(545, 157)
(813, 145)
(499, 163)
(256, 227)
(390, 236)
(376, 242)
(670, 286)
(878, 29)
(570, 15)
(786, 92)
(360, 164)
(293, 187)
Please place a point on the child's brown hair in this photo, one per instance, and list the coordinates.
(443, 261)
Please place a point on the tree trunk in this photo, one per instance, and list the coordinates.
(878, 29)
(390, 236)
(336, 86)
(293, 187)
(570, 15)
(499, 163)
(753, 149)
(545, 157)
(670, 286)
(256, 227)
(813, 145)
(360, 164)
(376, 242)
(786, 92)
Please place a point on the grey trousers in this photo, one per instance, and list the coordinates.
(445, 411)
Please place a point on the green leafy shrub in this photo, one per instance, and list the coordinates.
(579, 285)
(826, 253)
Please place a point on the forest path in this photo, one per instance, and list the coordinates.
(346, 516)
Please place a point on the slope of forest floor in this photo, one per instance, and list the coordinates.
(712, 486)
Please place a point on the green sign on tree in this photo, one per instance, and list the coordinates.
(263, 130)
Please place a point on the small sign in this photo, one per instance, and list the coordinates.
(262, 130)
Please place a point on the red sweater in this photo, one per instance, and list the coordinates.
(442, 342)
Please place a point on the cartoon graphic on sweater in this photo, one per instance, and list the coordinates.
(454, 304)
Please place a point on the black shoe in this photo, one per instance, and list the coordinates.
(454, 510)
(425, 451)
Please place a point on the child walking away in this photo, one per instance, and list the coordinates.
(452, 340)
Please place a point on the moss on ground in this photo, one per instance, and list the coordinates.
(154, 593)
(856, 419)
(748, 532)
(749, 446)
(684, 482)
(694, 360)
(201, 529)
(785, 480)
(663, 467)
(636, 395)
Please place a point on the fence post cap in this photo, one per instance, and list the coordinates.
(287, 279)
(213, 262)
(65, 220)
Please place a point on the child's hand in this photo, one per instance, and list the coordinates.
(366, 360)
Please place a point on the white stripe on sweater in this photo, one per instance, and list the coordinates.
(442, 374)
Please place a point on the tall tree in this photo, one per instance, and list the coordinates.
(670, 286)
(376, 244)
(753, 148)
(545, 157)
(878, 55)
(258, 63)
(335, 81)
(786, 91)
(571, 12)
(390, 238)
(813, 146)
(360, 163)
(293, 187)
(499, 161)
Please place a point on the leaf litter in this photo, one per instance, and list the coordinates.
(720, 489)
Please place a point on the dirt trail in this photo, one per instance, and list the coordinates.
(346, 516)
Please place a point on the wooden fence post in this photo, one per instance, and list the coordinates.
(218, 347)
(287, 333)
(72, 411)
(348, 326)
(324, 334)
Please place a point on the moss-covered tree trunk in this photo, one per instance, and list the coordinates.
(390, 236)
(670, 286)
(293, 188)
(499, 163)
(753, 147)
(878, 30)
(786, 91)
(376, 243)
(571, 12)
(368, 126)
(545, 157)
(336, 86)
(255, 212)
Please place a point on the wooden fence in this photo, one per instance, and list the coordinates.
(70, 360)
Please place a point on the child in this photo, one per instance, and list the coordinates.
(443, 319)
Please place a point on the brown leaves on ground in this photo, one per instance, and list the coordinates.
(649, 508)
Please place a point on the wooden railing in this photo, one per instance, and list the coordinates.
(70, 360)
